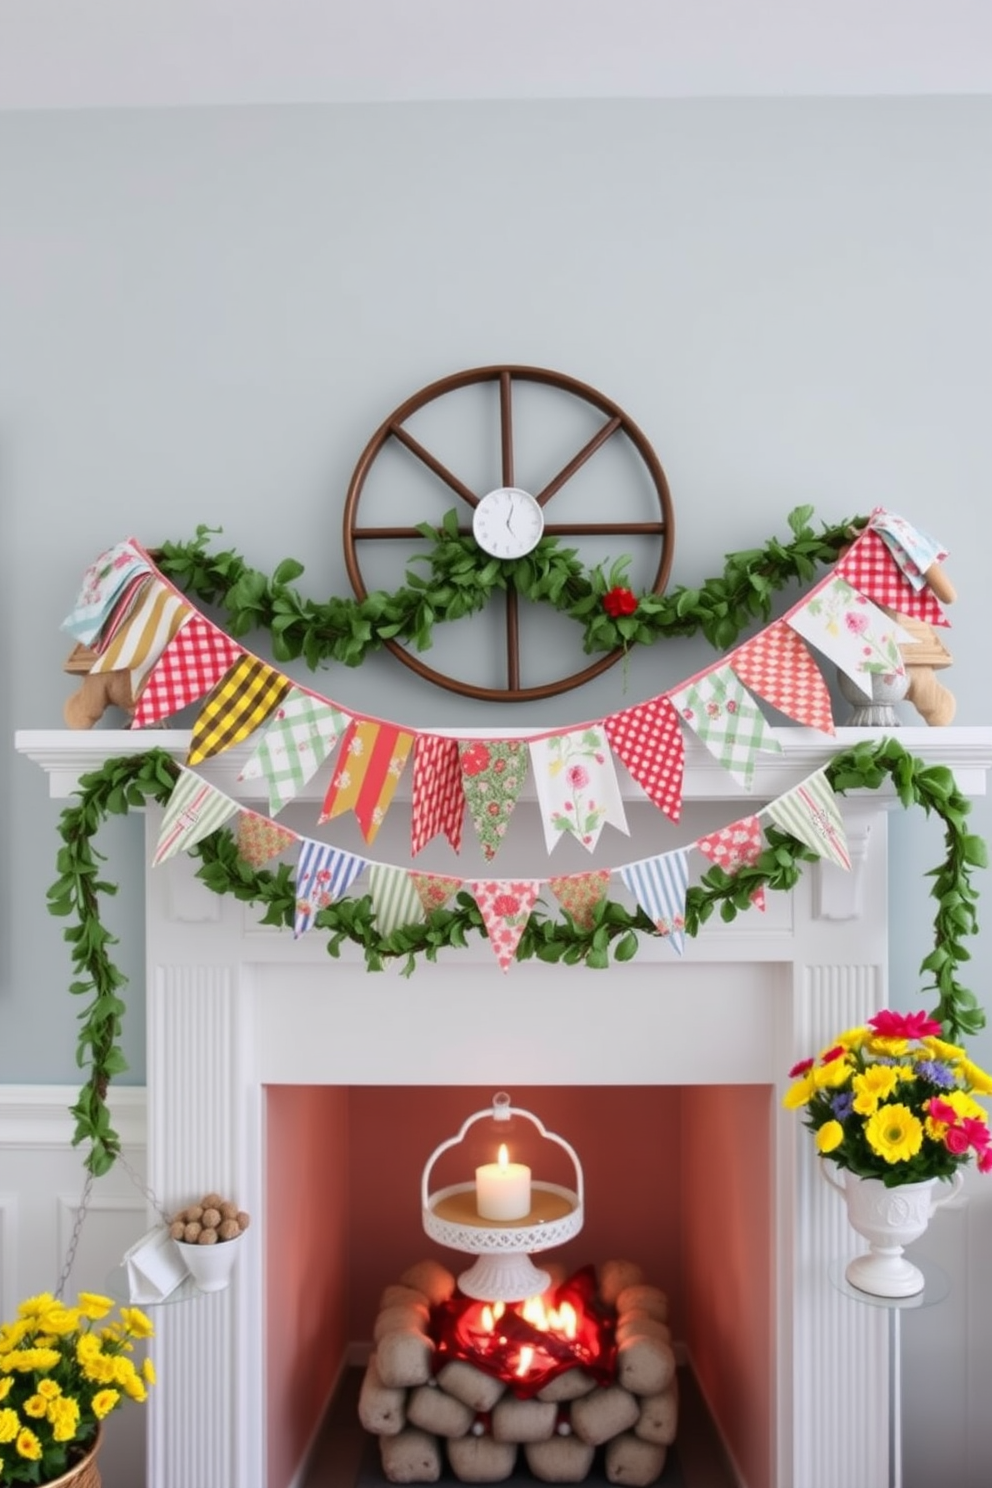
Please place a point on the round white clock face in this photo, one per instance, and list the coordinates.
(507, 523)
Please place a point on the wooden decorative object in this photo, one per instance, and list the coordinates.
(96, 692)
(931, 699)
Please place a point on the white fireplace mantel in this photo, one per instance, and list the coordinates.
(233, 1007)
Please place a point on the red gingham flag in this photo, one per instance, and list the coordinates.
(777, 666)
(193, 662)
(649, 740)
(871, 569)
(437, 800)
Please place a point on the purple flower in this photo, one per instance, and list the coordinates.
(842, 1104)
(935, 1073)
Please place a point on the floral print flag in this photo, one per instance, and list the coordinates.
(104, 582)
(505, 905)
(435, 889)
(717, 708)
(260, 840)
(323, 874)
(369, 768)
(810, 812)
(736, 846)
(913, 550)
(660, 885)
(577, 786)
(493, 773)
(856, 635)
(579, 893)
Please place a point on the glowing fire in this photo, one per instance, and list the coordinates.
(529, 1343)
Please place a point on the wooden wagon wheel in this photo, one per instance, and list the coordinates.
(616, 423)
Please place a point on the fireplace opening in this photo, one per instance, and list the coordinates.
(678, 1184)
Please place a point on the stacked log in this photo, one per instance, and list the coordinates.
(463, 1416)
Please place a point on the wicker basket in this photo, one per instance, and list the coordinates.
(85, 1474)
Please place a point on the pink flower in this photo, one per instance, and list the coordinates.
(713, 709)
(890, 1024)
(858, 624)
(956, 1140)
(506, 904)
(731, 706)
(801, 1068)
(475, 759)
(569, 806)
(686, 712)
(985, 1160)
(577, 777)
(939, 1110)
(832, 1054)
(976, 1131)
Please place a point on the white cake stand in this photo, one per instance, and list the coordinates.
(503, 1270)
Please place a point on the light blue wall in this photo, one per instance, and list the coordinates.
(204, 314)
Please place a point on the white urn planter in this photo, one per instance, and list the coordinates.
(889, 1219)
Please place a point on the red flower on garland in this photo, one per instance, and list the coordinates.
(619, 601)
(475, 759)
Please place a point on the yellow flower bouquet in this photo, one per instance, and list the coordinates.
(62, 1370)
(895, 1101)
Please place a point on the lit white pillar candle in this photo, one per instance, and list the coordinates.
(502, 1189)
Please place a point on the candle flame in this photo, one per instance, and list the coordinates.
(524, 1362)
(504, 1157)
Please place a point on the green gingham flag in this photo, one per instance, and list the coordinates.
(394, 898)
(810, 812)
(724, 715)
(302, 732)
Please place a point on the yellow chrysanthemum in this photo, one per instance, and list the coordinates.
(12, 1335)
(93, 1305)
(6, 1385)
(103, 1402)
(27, 1360)
(829, 1136)
(942, 1049)
(36, 1406)
(60, 1321)
(64, 1417)
(87, 1347)
(136, 1322)
(876, 1083)
(28, 1445)
(49, 1388)
(976, 1077)
(135, 1389)
(148, 1372)
(829, 1076)
(854, 1038)
(888, 1048)
(33, 1307)
(894, 1133)
(802, 1091)
(99, 1370)
(9, 1423)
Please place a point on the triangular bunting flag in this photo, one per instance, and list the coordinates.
(505, 905)
(736, 846)
(103, 584)
(260, 840)
(437, 802)
(435, 889)
(193, 811)
(660, 885)
(369, 768)
(777, 666)
(871, 568)
(154, 619)
(124, 606)
(238, 705)
(394, 898)
(303, 731)
(810, 812)
(192, 663)
(579, 893)
(493, 772)
(323, 874)
(717, 708)
(857, 636)
(577, 786)
(913, 550)
(648, 739)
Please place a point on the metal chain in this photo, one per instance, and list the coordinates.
(70, 1255)
(145, 1189)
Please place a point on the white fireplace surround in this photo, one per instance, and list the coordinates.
(233, 1006)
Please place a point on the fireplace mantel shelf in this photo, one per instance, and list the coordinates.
(66, 754)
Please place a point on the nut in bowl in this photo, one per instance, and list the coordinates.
(207, 1235)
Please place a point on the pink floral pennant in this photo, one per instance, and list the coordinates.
(323, 874)
(577, 786)
(505, 905)
(260, 839)
(493, 774)
(648, 739)
(857, 636)
(579, 893)
(435, 889)
(437, 800)
(777, 666)
(736, 846)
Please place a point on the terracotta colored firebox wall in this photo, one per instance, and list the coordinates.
(343, 1221)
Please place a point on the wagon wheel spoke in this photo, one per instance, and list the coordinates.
(433, 463)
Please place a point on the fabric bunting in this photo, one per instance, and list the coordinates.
(103, 583)
(123, 607)
(493, 773)
(723, 715)
(810, 812)
(369, 768)
(579, 893)
(648, 739)
(913, 550)
(437, 802)
(323, 874)
(238, 705)
(660, 885)
(303, 731)
(155, 617)
(192, 812)
(736, 846)
(394, 898)
(435, 889)
(870, 568)
(576, 786)
(777, 666)
(192, 663)
(260, 840)
(505, 905)
(857, 636)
